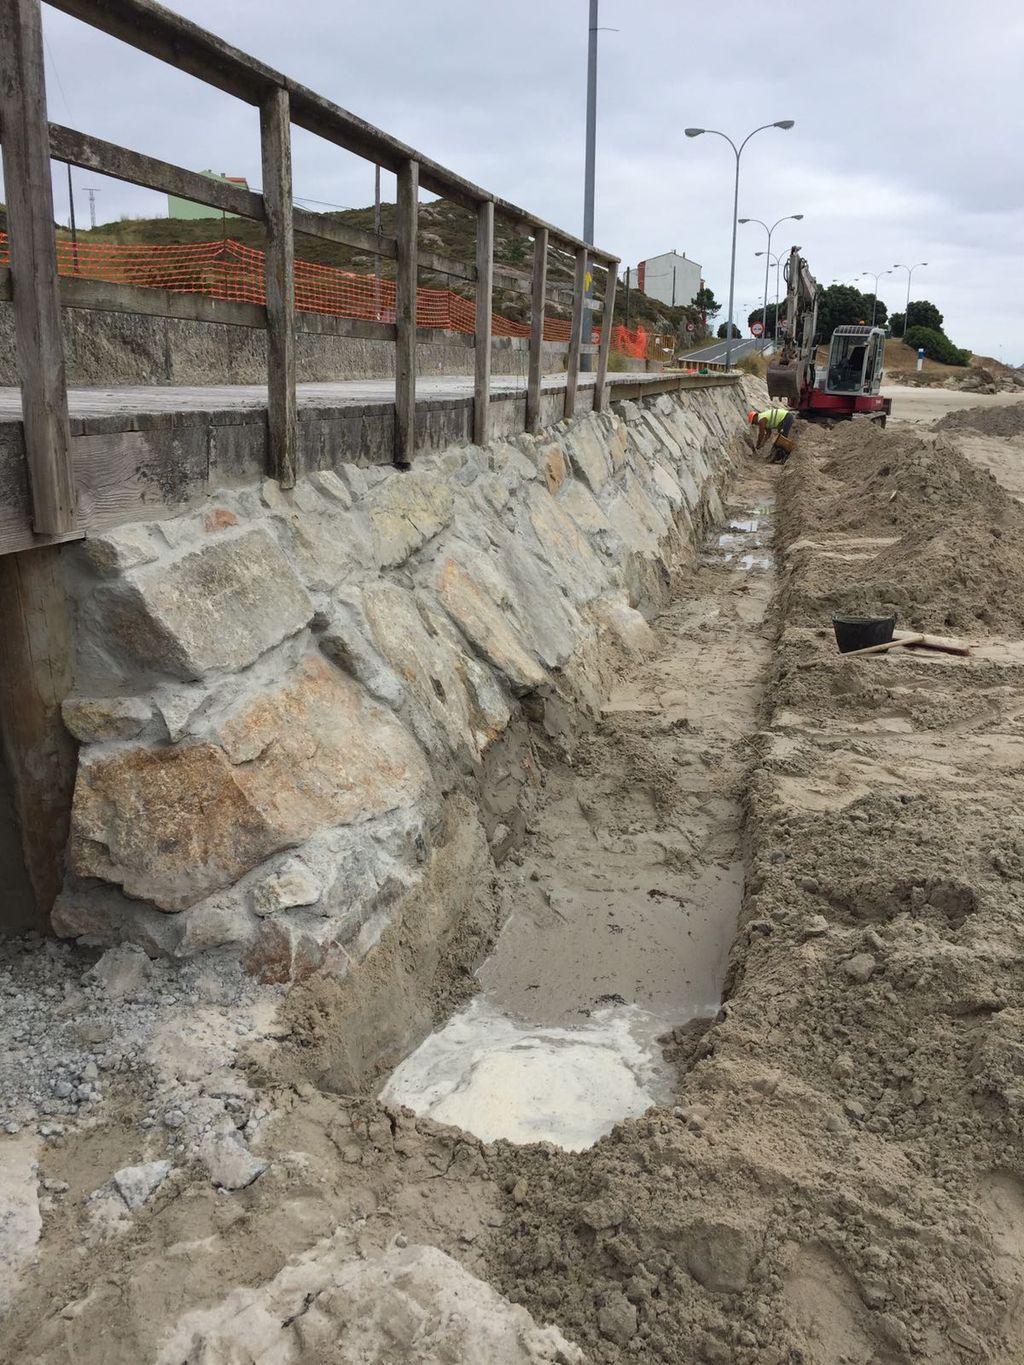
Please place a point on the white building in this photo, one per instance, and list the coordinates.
(669, 278)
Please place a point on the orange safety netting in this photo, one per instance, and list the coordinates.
(227, 269)
(641, 344)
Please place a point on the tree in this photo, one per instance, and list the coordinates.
(921, 313)
(841, 305)
(723, 330)
(896, 324)
(706, 303)
(937, 346)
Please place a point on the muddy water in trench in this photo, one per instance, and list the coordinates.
(622, 905)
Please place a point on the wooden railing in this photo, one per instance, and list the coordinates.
(29, 142)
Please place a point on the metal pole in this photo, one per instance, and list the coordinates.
(732, 263)
(589, 173)
(376, 228)
(629, 272)
(906, 311)
(764, 309)
(778, 265)
(74, 229)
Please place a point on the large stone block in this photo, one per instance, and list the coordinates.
(433, 666)
(173, 825)
(406, 511)
(219, 606)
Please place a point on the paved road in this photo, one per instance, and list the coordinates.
(716, 351)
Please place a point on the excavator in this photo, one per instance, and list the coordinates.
(849, 384)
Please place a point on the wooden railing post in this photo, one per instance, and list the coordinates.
(607, 317)
(282, 421)
(405, 313)
(26, 147)
(579, 311)
(539, 293)
(484, 305)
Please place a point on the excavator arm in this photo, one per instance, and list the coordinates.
(791, 372)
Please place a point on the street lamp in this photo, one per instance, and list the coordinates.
(785, 123)
(790, 217)
(874, 298)
(910, 270)
(778, 262)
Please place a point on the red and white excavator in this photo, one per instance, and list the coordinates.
(850, 382)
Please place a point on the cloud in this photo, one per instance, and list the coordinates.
(906, 145)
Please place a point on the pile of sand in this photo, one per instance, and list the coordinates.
(932, 537)
(1006, 421)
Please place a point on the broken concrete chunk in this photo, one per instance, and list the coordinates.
(95, 719)
(316, 752)
(228, 1161)
(136, 1184)
(122, 971)
(410, 1303)
(219, 606)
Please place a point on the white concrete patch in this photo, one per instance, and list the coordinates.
(498, 1078)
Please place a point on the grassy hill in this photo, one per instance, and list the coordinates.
(444, 228)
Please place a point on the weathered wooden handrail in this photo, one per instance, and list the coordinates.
(29, 141)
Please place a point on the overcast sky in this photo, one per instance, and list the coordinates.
(907, 145)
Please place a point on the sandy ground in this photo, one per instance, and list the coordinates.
(838, 1177)
(924, 406)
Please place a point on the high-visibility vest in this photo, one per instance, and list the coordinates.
(773, 417)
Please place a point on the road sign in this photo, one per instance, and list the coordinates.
(757, 329)
(691, 326)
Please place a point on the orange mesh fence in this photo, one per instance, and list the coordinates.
(231, 270)
(643, 345)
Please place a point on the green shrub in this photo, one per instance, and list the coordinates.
(937, 346)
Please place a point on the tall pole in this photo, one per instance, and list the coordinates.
(788, 218)
(785, 124)
(732, 260)
(71, 220)
(910, 271)
(874, 298)
(589, 172)
(376, 228)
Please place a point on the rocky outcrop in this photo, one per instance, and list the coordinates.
(281, 694)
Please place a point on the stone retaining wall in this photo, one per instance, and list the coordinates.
(114, 349)
(306, 717)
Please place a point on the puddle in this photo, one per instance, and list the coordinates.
(497, 1078)
(622, 907)
(747, 540)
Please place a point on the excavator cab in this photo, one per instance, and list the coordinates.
(855, 360)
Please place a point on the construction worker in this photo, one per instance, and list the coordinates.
(771, 423)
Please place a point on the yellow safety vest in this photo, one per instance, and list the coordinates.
(773, 417)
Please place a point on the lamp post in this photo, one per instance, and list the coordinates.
(778, 262)
(785, 123)
(910, 270)
(790, 217)
(874, 298)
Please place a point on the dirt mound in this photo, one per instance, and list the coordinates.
(1006, 421)
(941, 543)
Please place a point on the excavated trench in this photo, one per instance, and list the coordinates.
(620, 908)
